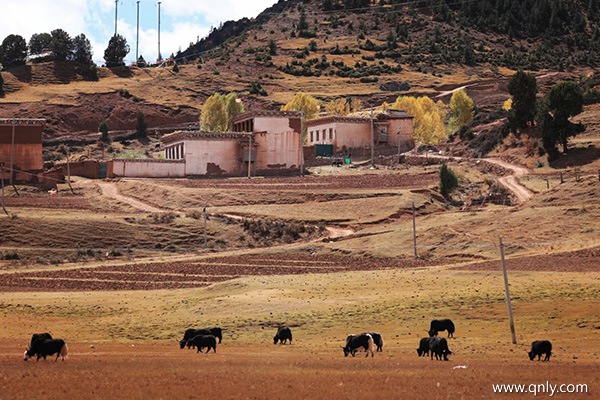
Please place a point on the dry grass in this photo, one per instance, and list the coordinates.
(129, 349)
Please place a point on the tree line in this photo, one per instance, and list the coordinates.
(58, 45)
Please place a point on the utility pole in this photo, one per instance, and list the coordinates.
(398, 147)
(116, 6)
(159, 56)
(69, 171)
(205, 239)
(302, 144)
(506, 289)
(372, 140)
(414, 231)
(249, 153)
(2, 180)
(12, 153)
(137, 38)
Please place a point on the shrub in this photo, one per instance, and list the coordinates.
(448, 180)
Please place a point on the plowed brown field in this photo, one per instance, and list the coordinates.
(188, 274)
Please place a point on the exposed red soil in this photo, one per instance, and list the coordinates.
(185, 274)
(587, 260)
(363, 181)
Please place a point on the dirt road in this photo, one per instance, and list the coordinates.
(511, 182)
(110, 190)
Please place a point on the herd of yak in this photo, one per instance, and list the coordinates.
(43, 344)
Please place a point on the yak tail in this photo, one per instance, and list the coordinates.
(64, 351)
(371, 345)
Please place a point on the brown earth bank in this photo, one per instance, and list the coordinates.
(587, 260)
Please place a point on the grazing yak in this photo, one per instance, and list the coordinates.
(46, 347)
(283, 335)
(201, 341)
(190, 333)
(540, 347)
(354, 342)
(439, 347)
(37, 336)
(423, 349)
(377, 339)
(438, 325)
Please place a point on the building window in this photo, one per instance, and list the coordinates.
(330, 133)
(312, 136)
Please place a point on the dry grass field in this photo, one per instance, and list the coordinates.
(121, 284)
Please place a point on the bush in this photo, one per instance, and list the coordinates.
(448, 180)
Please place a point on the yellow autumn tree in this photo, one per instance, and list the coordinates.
(356, 105)
(337, 107)
(429, 116)
(305, 103)
(461, 109)
(233, 107)
(213, 117)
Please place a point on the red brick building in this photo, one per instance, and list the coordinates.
(21, 147)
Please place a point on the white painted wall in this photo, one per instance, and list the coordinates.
(281, 149)
(203, 157)
(147, 168)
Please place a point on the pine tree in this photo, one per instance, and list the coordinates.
(448, 180)
(103, 129)
(141, 126)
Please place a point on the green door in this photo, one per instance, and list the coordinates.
(102, 170)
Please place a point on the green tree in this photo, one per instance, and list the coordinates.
(272, 47)
(38, 42)
(461, 109)
(13, 51)
(214, 114)
(562, 102)
(141, 127)
(116, 51)
(523, 89)
(103, 129)
(233, 107)
(61, 45)
(82, 49)
(302, 24)
(448, 180)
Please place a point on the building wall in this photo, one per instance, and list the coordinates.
(273, 124)
(401, 130)
(281, 150)
(88, 168)
(213, 157)
(27, 147)
(145, 168)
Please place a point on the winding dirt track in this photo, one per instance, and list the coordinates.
(511, 182)
(110, 190)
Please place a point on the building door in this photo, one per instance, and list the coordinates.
(102, 170)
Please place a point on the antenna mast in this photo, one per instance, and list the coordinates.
(159, 56)
(116, 7)
(137, 39)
